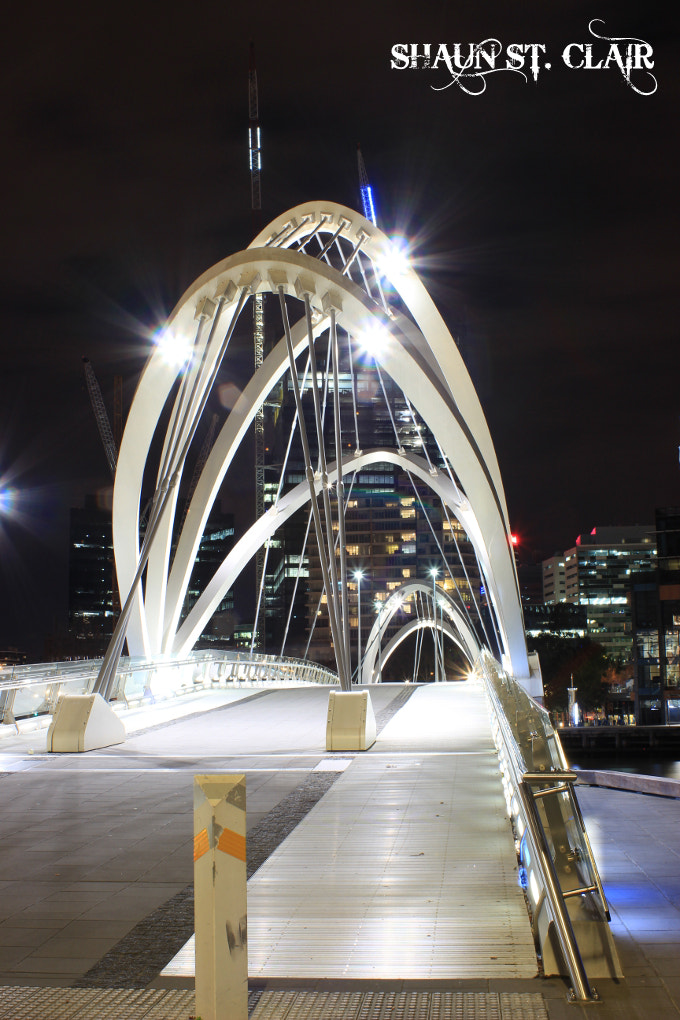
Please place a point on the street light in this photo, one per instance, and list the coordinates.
(434, 572)
(358, 577)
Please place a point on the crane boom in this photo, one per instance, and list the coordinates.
(366, 190)
(255, 157)
(101, 416)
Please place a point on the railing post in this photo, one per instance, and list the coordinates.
(220, 914)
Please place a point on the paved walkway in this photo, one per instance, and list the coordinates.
(95, 858)
(405, 869)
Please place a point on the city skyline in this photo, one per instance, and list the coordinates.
(540, 213)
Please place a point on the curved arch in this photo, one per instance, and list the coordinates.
(414, 625)
(266, 526)
(465, 636)
(418, 355)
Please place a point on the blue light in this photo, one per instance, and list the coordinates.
(8, 498)
(369, 208)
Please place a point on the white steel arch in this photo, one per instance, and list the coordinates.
(406, 631)
(417, 353)
(456, 627)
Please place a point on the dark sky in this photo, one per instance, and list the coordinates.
(544, 213)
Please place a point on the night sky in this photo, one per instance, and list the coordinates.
(542, 214)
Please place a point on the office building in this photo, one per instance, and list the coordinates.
(596, 574)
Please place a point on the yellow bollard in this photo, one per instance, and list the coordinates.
(220, 911)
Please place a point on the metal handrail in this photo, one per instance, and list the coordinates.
(582, 988)
(523, 781)
(50, 678)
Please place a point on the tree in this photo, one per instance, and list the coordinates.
(563, 658)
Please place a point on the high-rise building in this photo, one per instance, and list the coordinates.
(388, 536)
(395, 535)
(93, 608)
(91, 613)
(656, 627)
(596, 574)
(554, 580)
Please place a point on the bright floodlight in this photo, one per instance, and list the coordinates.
(393, 261)
(373, 339)
(7, 501)
(434, 571)
(175, 349)
(358, 575)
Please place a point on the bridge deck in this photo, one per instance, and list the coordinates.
(406, 868)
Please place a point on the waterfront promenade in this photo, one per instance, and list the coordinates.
(354, 898)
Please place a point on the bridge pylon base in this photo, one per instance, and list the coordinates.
(84, 722)
(350, 725)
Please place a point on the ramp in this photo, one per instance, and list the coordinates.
(405, 869)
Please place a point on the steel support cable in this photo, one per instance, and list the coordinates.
(320, 599)
(324, 381)
(308, 237)
(340, 491)
(286, 231)
(107, 672)
(261, 586)
(310, 479)
(441, 551)
(387, 404)
(297, 581)
(167, 478)
(460, 557)
(324, 249)
(263, 573)
(332, 596)
(417, 653)
(376, 277)
(367, 287)
(357, 448)
(467, 578)
(353, 255)
(419, 431)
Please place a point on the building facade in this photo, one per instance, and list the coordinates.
(597, 574)
(656, 627)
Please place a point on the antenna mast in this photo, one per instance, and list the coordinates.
(254, 152)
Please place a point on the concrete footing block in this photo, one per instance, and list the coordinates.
(350, 725)
(83, 722)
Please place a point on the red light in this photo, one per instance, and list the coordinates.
(514, 540)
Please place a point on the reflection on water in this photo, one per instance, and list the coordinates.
(638, 764)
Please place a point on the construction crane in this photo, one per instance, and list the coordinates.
(102, 418)
(365, 188)
(111, 441)
(255, 160)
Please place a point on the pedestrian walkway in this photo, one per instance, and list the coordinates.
(405, 869)
(96, 871)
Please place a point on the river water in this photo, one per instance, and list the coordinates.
(638, 764)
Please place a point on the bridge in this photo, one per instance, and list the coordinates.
(481, 748)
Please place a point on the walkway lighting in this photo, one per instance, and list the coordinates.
(8, 498)
(373, 339)
(175, 349)
(393, 262)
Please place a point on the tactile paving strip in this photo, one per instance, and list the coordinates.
(313, 1005)
(178, 1004)
(95, 1004)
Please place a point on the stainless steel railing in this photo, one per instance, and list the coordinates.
(34, 690)
(562, 880)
